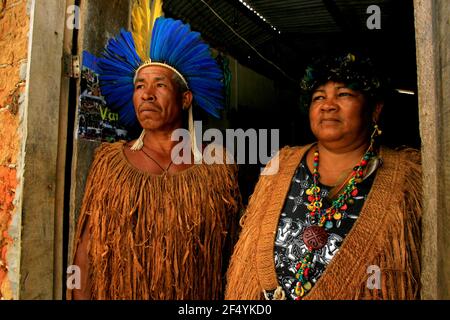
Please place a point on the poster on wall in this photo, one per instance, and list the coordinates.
(96, 122)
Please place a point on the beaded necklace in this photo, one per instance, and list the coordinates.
(315, 237)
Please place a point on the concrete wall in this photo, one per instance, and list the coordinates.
(14, 27)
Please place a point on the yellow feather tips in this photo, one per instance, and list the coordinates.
(143, 18)
(157, 10)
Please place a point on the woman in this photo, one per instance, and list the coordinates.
(341, 217)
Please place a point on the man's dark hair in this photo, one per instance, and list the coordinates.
(180, 83)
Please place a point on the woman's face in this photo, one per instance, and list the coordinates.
(339, 114)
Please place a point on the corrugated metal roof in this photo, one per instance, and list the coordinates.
(296, 16)
(308, 27)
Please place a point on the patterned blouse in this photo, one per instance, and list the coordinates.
(289, 246)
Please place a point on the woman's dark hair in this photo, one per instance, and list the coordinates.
(356, 72)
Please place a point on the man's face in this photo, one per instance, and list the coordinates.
(157, 101)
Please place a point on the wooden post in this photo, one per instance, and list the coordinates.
(432, 43)
(41, 117)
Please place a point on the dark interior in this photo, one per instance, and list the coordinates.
(294, 32)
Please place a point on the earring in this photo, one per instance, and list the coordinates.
(139, 144)
(376, 133)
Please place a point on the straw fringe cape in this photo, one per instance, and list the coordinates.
(157, 237)
(386, 235)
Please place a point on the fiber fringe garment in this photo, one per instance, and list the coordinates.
(158, 237)
(387, 234)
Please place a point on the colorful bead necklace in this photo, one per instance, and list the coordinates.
(315, 237)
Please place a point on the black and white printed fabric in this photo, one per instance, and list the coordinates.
(294, 219)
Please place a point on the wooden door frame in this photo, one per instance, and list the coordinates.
(432, 43)
(44, 136)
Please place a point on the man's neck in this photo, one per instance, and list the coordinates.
(159, 141)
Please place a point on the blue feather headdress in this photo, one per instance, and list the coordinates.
(174, 45)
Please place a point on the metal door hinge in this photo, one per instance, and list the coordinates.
(72, 66)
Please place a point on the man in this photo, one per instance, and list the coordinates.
(150, 226)
(158, 101)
